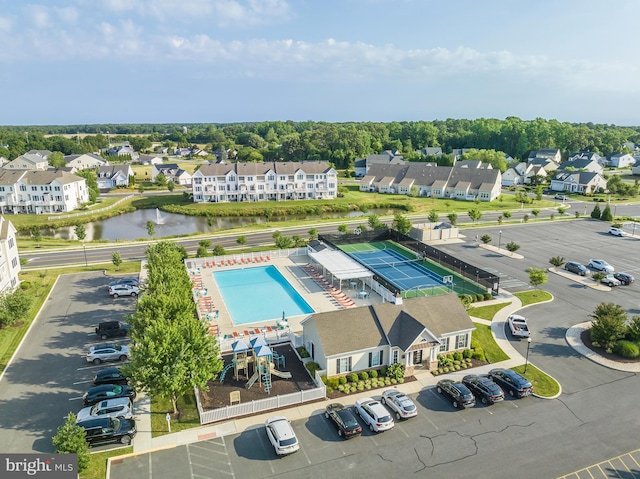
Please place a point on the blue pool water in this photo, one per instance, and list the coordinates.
(252, 295)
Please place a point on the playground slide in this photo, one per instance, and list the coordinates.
(253, 379)
(280, 374)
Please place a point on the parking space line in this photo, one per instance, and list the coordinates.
(75, 399)
(83, 382)
(261, 439)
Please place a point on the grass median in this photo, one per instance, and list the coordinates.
(98, 463)
(543, 384)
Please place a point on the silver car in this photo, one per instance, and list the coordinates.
(123, 290)
(107, 352)
(117, 407)
(600, 265)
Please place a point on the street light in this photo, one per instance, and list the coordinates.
(499, 238)
(84, 247)
(526, 361)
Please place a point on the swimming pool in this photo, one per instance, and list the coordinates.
(259, 294)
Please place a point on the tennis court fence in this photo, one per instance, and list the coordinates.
(469, 271)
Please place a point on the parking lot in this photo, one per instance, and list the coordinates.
(49, 374)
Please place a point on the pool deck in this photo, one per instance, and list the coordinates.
(317, 297)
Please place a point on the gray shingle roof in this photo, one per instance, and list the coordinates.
(279, 168)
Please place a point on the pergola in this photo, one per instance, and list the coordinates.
(340, 265)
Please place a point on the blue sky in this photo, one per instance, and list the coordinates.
(219, 61)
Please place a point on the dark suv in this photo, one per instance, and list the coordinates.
(512, 382)
(109, 429)
(112, 329)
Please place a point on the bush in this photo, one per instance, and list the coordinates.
(329, 390)
(364, 375)
(302, 351)
(360, 387)
(435, 372)
(332, 382)
(487, 296)
(467, 353)
(478, 353)
(626, 349)
(394, 381)
(342, 379)
(373, 374)
(479, 297)
(383, 371)
(324, 379)
(396, 371)
(25, 285)
(457, 356)
(353, 378)
(312, 367)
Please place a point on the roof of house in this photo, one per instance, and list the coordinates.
(425, 174)
(38, 177)
(578, 164)
(68, 158)
(579, 177)
(544, 152)
(42, 153)
(278, 167)
(390, 324)
(111, 170)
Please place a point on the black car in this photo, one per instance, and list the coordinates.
(512, 382)
(110, 376)
(107, 391)
(344, 420)
(624, 278)
(576, 268)
(458, 393)
(483, 387)
(109, 429)
(112, 329)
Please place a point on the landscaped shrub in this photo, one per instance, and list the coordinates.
(400, 381)
(446, 370)
(341, 388)
(435, 372)
(324, 379)
(367, 386)
(373, 374)
(463, 365)
(457, 367)
(487, 296)
(478, 353)
(353, 378)
(479, 297)
(360, 387)
(456, 363)
(302, 351)
(457, 356)
(396, 370)
(312, 367)
(467, 353)
(25, 285)
(332, 382)
(387, 381)
(626, 349)
(342, 380)
(364, 375)
(329, 390)
(383, 371)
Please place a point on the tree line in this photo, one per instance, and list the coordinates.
(337, 143)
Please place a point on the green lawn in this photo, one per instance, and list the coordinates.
(534, 296)
(482, 335)
(160, 407)
(543, 384)
(486, 312)
(98, 465)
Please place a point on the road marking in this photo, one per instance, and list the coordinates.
(75, 399)
(606, 468)
(83, 382)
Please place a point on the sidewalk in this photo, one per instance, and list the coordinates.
(424, 379)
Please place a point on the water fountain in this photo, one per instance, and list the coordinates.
(159, 218)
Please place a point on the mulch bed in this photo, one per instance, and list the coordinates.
(585, 336)
(218, 394)
(335, 394)
(474, 364)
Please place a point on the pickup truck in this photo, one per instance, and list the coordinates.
(518, 326)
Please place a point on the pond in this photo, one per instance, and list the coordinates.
(131, 226)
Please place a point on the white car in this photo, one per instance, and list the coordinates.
(399, 403)
(374, 414)
(600, 265)
(123, 290)
(117, 407)
(610, 280)
(281, 435)
(107, 352)
(617, 232)
(518, 326)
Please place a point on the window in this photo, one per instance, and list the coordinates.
(23, 188)
(343, 365)
(395, 356)
(14, 263)
(461, 341)
(10, 242)
(375, 359)
(444, 344)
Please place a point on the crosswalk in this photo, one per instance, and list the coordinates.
(623, 466)
(508, 282)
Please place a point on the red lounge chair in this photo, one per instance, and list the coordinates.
(268, 259)
(235, 334)
(256, 331)
(246, 333)
(269, 329)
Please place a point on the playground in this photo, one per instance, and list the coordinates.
(269, 371)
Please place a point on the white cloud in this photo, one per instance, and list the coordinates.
(5, 24)
(67, 14)
(39, 15)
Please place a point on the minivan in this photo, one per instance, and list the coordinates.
(109, 429)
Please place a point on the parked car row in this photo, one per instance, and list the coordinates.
(373, 413)
(488, 388)
(611, 279)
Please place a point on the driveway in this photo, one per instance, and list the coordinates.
(48, 375)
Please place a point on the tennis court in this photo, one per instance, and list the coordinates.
(404, 273)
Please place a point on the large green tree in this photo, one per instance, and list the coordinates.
(608, 324)
(402, 224)
(71, 439)
(14, 306)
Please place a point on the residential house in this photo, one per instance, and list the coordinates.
(437, 181)
(552, 154)
(270, 181)
(9, 258)
(578, 182)
(473, 164)
(28, 161)
(35, 191)
(387, 157)
(112, 176)
(412, 333)
(162, 150)
(458, 152)
(523, 173)
(182, 152)
(430, 151)
(588, 155)
(123, 150)
(620, 160)
(150, 160)
(42, 153)
(172, 172)
(582, 164)
(635, 169)
(3, 161)
(84, 161)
